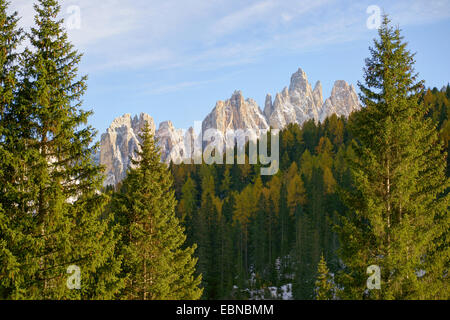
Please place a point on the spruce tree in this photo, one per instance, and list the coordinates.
(10, 38)
(188, 208)
(296, 193)
(209, 237)
(258, 235)
(324, 285)
(155, 265)
(398, 212)
(51, 200)
(226, 183)
(10, 233)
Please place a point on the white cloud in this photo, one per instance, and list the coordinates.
(420, 11)
(212, 34)
(243, 17)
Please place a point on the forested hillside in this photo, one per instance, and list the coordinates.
(258, 232)
(438, 103)
(370, 190)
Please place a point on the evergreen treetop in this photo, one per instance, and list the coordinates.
(399, 175)
(156, 266)
(324, 285)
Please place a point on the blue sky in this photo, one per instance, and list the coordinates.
(175, 59)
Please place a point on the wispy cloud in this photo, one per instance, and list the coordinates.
(243, 17)
(157, 89)
(206, 34)
(420, 12)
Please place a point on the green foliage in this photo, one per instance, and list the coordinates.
(277, 238)
(398, 213)
(155, 265)
(383, 170)
(263, 231)
(10, 234)
(324, 285)
(52, 209)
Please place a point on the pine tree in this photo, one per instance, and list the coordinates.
(258, 234)
(156, 265)
(10, 38)
(208, 236)
(10, 233)
(53, 182)
(227, 247)
(296, 193)
(225, 186)
(324, 285)
(188, 208)
(224, 258)
(306, 165)
(398, 215)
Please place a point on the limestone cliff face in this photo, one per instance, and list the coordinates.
(119, 143)
(235, 114)
(342, 102)
(300, 102)
(171, 142)
(296, 104)
(121, 140)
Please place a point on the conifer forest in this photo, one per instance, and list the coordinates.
(370, 189)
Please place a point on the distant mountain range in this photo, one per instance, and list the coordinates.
(296, 104)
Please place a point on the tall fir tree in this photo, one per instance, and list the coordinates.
(54, 184)
(398, 213)
(11, 235)
(324, 285)
(188, 208)
(156, 266)
(208, 236)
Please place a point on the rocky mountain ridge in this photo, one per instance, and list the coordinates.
(296, 104)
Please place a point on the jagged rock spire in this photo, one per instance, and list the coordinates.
(295, 104)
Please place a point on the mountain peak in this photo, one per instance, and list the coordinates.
(121, 121)
(166, 124)
(342, 102)
(237, 93)
(297, 104)
(318, 94)
(299, 81)
(235, 113)
(268, 106)
(138, 123)
(318, 86)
